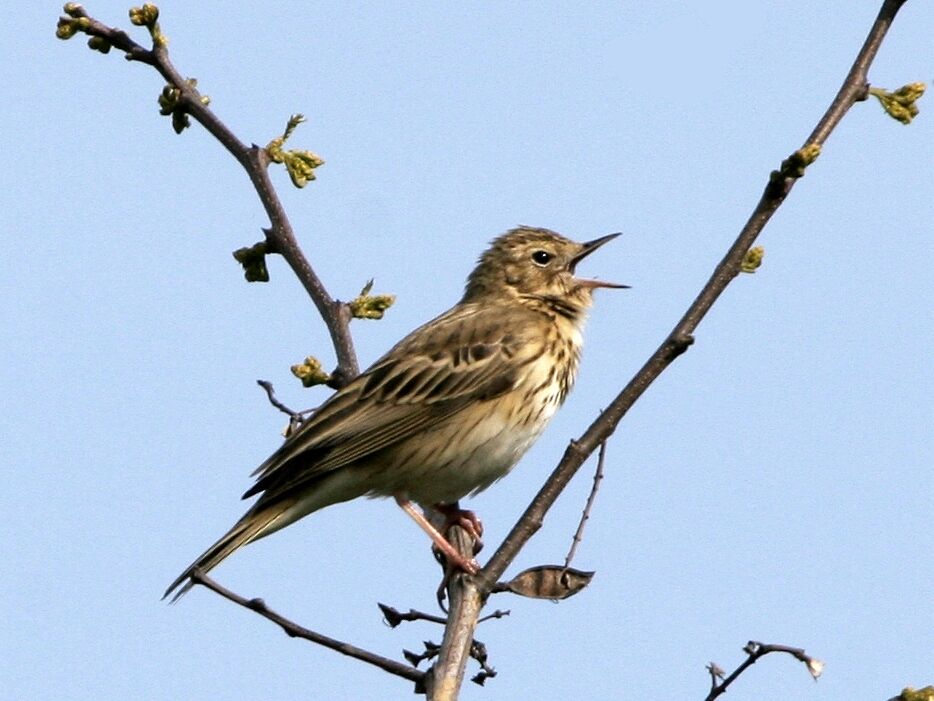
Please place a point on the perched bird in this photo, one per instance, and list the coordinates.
(447, 411)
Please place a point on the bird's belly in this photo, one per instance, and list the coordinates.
(466, 454)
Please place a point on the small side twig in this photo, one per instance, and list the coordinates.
(479, 653)
(585, 516)
(293, 630)
(719, 682)
(498, 613)
(294, 416)
(394, 617)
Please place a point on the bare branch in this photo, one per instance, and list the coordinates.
(754, 650)
(294, 630)
(585, 516)
(254, 160)
(466, 603)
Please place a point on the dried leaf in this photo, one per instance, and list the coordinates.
(549, 582)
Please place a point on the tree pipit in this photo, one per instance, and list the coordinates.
(447, 411)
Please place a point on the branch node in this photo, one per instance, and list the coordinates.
(791, 169)
(679, 343)
(174, 101)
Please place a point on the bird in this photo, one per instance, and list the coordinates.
(448, 411)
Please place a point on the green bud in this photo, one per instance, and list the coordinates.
(73, 9)
(367, 306)
(144, 16)
(794, 166)
(310, 372)
(910, 694)
(752, 260)
(99, 44)
(299, 164)
(900, 105)
(66, 28)
(170, 104)
(253, 260)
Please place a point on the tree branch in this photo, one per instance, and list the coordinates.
(779, 185)
(754, 651)
(255, 161)
(294, 630)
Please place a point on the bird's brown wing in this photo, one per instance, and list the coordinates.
(466, 355)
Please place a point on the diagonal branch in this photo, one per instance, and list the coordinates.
(293, 630)
(854, 89)
(280, 236)
(470, 594)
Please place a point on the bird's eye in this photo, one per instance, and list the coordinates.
(541, 257)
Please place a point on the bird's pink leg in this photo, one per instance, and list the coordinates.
(469, 566)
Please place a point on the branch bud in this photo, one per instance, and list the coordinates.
(310, 372)
(900, 105)
(253, 260)
(299, 164)
(99, 44)
(752, 260)
(367, 306)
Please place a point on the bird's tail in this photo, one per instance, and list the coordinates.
(253, 525)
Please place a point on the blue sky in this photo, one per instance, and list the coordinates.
(775, 484)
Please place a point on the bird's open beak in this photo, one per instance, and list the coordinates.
(589, 248)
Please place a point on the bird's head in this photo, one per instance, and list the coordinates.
(535, 264)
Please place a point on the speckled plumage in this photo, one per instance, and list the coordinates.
(448, 410)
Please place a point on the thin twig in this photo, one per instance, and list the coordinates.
(294, 630)
(394, 617)
(498, 613)
(755, 650)
(585, 516)
(255, 161)
(271, 395)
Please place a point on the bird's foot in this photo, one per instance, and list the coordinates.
(468, 520)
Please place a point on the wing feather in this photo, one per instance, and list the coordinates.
(424, 380)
